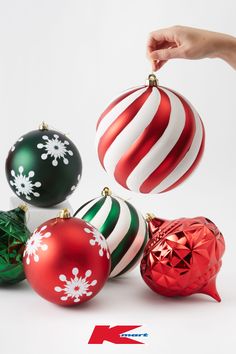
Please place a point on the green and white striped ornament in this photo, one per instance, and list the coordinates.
(123, 227)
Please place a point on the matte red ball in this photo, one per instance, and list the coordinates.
(183, 257)
(66, 261)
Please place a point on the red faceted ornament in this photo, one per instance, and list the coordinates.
(66, 260)
(150, 138)
(183, 256)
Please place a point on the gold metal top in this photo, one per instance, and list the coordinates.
(43, 126)
(150, 216)
(23, 207)
(106, 192)
(152, 80)
(64, 214)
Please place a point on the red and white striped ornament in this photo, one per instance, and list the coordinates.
(150, 139)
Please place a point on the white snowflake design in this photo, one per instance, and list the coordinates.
(98, 239)
(23, 184)
(35, 243)
(74, 187)
(19, 140)
(76, 287)
(55, 148)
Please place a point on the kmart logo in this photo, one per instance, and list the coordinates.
(117, 335)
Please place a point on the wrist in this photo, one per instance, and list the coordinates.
(226, 49)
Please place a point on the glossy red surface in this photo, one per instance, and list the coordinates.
(183, 257)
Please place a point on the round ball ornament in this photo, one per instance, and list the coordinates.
(66, 260)
(150, 138)
(43, 167)
(123, 227)
(183, 256)
(13, 237)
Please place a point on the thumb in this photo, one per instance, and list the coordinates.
(165, 54)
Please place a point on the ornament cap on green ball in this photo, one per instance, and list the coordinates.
(44, 167)
(43, 126)
(13, 237)
(106, 192)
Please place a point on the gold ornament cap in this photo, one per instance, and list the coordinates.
(150, 216)
(152, 81)
(43, 126)
(23, 207)
(64, 214)
(106, 192)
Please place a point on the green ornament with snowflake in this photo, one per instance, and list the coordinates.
(43, 167)
(13, 237)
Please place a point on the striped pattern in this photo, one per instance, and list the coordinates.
(150, 139)
(123, 227)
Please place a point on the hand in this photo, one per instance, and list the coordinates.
(189, 43)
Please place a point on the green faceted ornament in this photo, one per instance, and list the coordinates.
(43, 167)
(13, 237)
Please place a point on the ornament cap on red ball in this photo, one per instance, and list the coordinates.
(154, 224)
(66, 260)
(183, 256)
(152, 80)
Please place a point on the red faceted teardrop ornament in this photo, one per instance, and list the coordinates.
(183, 257)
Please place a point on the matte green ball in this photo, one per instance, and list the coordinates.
(13, 237)
(43, 168)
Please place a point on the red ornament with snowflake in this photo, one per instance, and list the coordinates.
(66, 260)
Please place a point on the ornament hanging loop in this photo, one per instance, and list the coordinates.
(106, 192)
(23, 207)
(149, 217)
(43, 126)
(152, 81)
(64, 214)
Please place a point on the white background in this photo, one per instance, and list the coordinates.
(62, 61)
